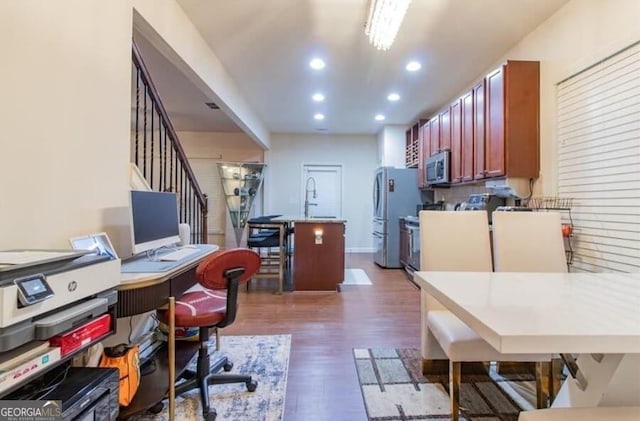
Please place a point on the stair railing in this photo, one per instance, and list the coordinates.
(157, 152)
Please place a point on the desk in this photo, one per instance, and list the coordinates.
(142, 292)
(595, 315)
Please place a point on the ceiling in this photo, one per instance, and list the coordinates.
(266, 46)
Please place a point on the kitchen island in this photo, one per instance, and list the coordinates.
(318, 257)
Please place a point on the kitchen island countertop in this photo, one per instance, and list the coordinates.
(311, 220)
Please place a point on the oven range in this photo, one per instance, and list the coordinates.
(410, 238)
(410, 243)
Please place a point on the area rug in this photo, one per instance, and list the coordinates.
(266, 358)
(394, 388)
(355, 277)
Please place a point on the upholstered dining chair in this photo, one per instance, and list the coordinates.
(531, 242)
(213, 307)
(528, 242)
(457, 242)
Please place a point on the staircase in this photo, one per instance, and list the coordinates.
(158, 154)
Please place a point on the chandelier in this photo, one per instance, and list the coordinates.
(385, 17)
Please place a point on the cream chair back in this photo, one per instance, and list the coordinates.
(528, 242)
(450, 241)
(454, 241)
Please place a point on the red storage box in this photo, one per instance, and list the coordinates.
(83, 335)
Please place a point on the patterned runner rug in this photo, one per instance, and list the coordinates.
(394, 388)
(266, 358)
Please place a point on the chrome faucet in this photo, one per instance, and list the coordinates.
(307, 190)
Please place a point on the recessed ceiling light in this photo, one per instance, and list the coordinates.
(379, 117)
(318, 97)
(319, 116)
(413, 66)
(317, 64)
(393, 97)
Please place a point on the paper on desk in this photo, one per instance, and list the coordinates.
(29, 256)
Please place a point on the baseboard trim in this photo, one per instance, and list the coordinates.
(360, 250)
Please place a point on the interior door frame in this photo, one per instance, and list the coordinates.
(305, 167)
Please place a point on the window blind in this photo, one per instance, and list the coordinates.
(599, 162)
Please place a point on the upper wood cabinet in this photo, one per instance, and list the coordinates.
(478, 130)
(412, 144)
(512, 143)
(426, 139)
(456, 141)
(445, 129)
(408, 151)
(492, 130)
(467, 138)
(434, 139)
(423, 148)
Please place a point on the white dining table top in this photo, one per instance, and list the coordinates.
(544, 312)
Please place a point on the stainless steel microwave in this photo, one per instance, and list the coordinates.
(437, 168)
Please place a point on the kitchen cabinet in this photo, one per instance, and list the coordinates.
(426, 140)
(466, 137)
(492, 130)
(424, 153)
(478, 130)
(512, 133)
(434, 140)
(445, 130)
(412, 144)
(456, 141)
(409, 147)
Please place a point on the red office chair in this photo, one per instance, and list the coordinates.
(215, 307)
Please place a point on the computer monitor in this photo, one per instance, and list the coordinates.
(154, 220)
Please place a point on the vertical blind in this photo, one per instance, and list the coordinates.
(599, 162)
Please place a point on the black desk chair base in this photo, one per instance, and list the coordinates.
(206, 375)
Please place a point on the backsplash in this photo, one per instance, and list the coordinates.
(458, 194)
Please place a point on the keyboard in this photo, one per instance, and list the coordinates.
(179, 254)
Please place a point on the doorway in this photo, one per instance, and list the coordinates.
(322, 187)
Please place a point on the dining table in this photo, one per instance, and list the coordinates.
(592, 320)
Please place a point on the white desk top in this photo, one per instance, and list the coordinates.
(139, 280)
(544, 312)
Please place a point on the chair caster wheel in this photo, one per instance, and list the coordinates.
(227, 366)
(157, 408)
(211, 416)
(252, 385)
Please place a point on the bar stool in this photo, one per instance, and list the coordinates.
(270, 240)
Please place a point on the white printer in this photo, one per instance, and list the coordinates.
(45, 293)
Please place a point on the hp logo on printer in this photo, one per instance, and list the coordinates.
(72, 286)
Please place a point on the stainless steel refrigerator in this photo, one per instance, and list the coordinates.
(395, 194)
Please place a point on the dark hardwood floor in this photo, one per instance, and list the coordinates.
(325, 327)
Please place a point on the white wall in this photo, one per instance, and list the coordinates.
(579, 35)
(358, 157)
(392, 146)
(167, 27)
(64, 116)
(210, 148)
